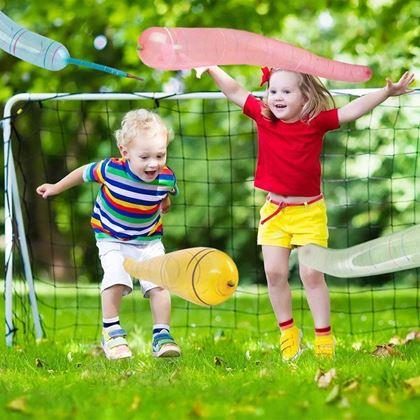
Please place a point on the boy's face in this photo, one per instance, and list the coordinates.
(147, 156)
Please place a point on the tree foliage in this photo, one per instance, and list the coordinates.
(353, 31)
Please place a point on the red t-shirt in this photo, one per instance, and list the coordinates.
(289, 153)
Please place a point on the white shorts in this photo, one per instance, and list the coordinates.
(112, 255)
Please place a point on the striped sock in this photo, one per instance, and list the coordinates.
(109, 322)
(157, 328)
(323, 330)
(286, 324)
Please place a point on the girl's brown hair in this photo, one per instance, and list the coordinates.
(317, 97)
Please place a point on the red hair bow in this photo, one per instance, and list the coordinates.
(265, 75)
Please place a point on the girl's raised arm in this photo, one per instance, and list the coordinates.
(229, 86)
(366, 103)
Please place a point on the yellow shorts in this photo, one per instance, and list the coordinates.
(294, 225)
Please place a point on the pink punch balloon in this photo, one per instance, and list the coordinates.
(186, 48)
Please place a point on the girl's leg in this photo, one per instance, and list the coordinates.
(318, 298)
(276, 266)
(317, 295)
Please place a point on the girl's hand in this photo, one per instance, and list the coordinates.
(199, 71)
(401, 87)
(46, 190)
(165, 205)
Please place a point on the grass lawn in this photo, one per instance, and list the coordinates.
(230, 366)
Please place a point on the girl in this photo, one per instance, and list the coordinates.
(126, 220)
(292, 121)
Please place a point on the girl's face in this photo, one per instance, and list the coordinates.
(147, 156)
(285, 98)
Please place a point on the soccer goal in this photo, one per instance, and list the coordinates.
(371, 172)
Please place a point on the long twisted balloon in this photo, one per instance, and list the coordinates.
(186, 48)
(395, 252)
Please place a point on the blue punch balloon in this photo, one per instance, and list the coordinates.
(31, 47)
(41, 51)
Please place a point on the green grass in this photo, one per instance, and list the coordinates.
(223, 372)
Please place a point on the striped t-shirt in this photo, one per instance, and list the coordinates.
(127, 208)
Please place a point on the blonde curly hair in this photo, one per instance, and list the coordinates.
(142, 121)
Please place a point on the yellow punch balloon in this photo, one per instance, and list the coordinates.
(205, 276)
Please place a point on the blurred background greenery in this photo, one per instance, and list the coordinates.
(371, 168)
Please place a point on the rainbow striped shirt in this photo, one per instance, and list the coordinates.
(127, 208)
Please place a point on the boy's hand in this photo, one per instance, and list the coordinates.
(46, 190)
(165, 205)
(401, 87)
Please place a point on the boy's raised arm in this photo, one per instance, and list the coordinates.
(71, 180)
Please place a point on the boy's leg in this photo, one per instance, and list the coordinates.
(163, 344)
(115, 284)
(113, 340)
(318, 298)
(160, 304)
(276, 266)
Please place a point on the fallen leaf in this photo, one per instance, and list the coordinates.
(324, 379)
(70, 356)
(304, 405)
(218, 361)
(96, 351)
(413, 384)
(373, 400)
(351, 386)
(412, 336)
(219, 335)
(173, 375)
(357, 346)
(334, 395)
(198, 410)
(385, 350)
(247, 410)
(18, 404)
(39, 363)
(344, 402)
(247, 355)
(396, 341)
(263, 372)
(135, 403)
(128, 373)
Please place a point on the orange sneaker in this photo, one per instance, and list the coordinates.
(290, 343)
(324, 345)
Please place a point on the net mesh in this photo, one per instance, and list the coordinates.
(371, 173)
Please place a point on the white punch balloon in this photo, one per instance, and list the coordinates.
(395, 252)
